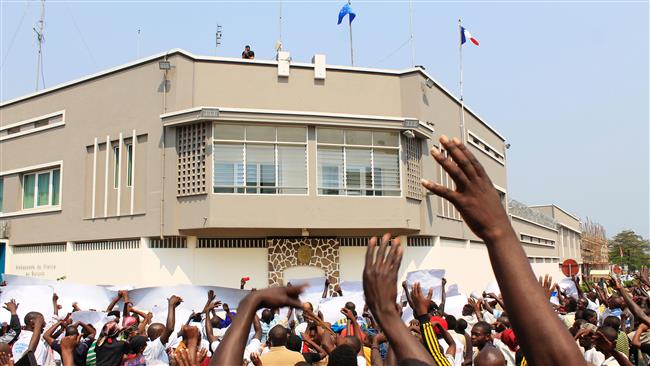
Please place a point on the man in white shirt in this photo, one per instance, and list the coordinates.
(155, 353)
(34, 326)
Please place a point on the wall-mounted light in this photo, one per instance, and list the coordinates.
(429, 83)
(409, 134)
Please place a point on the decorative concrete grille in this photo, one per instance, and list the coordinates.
(168, 242)
(231, 243)
(413, 168)
(420, 241)
(107, 245)
(39, 248)
(190, 146)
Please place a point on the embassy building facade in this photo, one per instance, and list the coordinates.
(179, 168)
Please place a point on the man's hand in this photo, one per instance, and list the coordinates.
(475, 197)
(444, 282)
(148, 318)
(615, 283)
(420, 302)
(380, 276)
(12, 306)
(277, 297)
(122, 294)
(6, 359)
(348, 314)
(547, 285)
(55, 297)
(174, 301)
(211, 303)
(603, 344)
(226, 308)
(327, 281)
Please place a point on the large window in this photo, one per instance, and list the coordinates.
(358, 163)
(129, 165)
(259, 159)
(41, 188)
(116, 166)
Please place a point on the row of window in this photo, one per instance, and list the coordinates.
(117, 165)
(536, 240)
(273, 160)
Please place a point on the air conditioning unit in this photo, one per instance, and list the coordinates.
(4, 229)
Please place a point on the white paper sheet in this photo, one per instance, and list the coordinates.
(29, 298)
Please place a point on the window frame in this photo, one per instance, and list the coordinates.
(36, 174)
(372, 148)
(2, 193)
(117, 166)
(129, 164)
(242, 190)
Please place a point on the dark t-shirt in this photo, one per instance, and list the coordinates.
(80, 351)
(249, 54)
(110, 353)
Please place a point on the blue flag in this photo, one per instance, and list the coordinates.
(345, 10)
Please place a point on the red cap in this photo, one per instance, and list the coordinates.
(442, 322)
(246, 279)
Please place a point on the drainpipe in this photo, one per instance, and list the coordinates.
(162, 161)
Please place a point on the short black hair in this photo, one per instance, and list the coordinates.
(342, 355)
(294, 343)
(278, 336)
(451, 322)
(610, 333)
(484, 327)
(115, 313)
(612, 321)
(588, 313)
(461, 325)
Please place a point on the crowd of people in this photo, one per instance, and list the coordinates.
(598, 325)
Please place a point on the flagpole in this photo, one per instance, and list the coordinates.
(462, 102)
(411, 40)
(351, 48)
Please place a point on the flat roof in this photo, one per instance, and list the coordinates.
(559, 208)
(244, 61)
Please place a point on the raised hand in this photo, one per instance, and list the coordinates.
(547, 285)
(420, 302)
(348, 314)
(6, 359)
(475, 196)
(12, 306)
(277, 297)
(174, 301)
(380, 275)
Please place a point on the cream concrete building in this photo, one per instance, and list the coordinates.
(180, 168)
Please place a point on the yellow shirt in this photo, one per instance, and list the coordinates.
(281, 356)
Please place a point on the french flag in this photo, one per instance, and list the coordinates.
(465, 35)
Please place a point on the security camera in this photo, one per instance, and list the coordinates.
(409, 134)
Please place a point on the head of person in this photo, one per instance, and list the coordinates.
(351, 341)
(267, 316)
(71, 330)
(467, 310)
(84, 332)
(155, 330)
(247, 48)
(612, 321)
(490, 356)
(138, 344)
(591, 296)
(31, 318)
(294, 343)
(308, 306)
(502, 323)
(461, 326)
(610, 334)
(278, 336)
(342, 355)
(571, 305)
(481, 334)
(577, 324)
(433, 308)
(350, 306)
(116, 314)
(582, 303)
(451, 321)
(590, 316)
(586, 341)
(615, 302)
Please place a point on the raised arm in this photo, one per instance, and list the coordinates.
(114, 302)
(207, 309)
(444, 296)
(481, 208)
(172, 304)
(326, 288)
(380, 289)
(55, 304)
(48, 336)
(39, 322)
(142, 327)
(14, 323)
(231, 349)
(634, 308)
(89, 329)
(421, 305)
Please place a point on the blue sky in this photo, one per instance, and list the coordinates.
(565, 82)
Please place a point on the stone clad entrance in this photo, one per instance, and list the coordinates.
(314, 252)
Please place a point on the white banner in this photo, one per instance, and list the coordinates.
(29, 298)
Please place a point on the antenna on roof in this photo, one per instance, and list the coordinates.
(40, 38)
(278, 44)
(218, 36)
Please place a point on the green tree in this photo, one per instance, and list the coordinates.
(634, 247)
